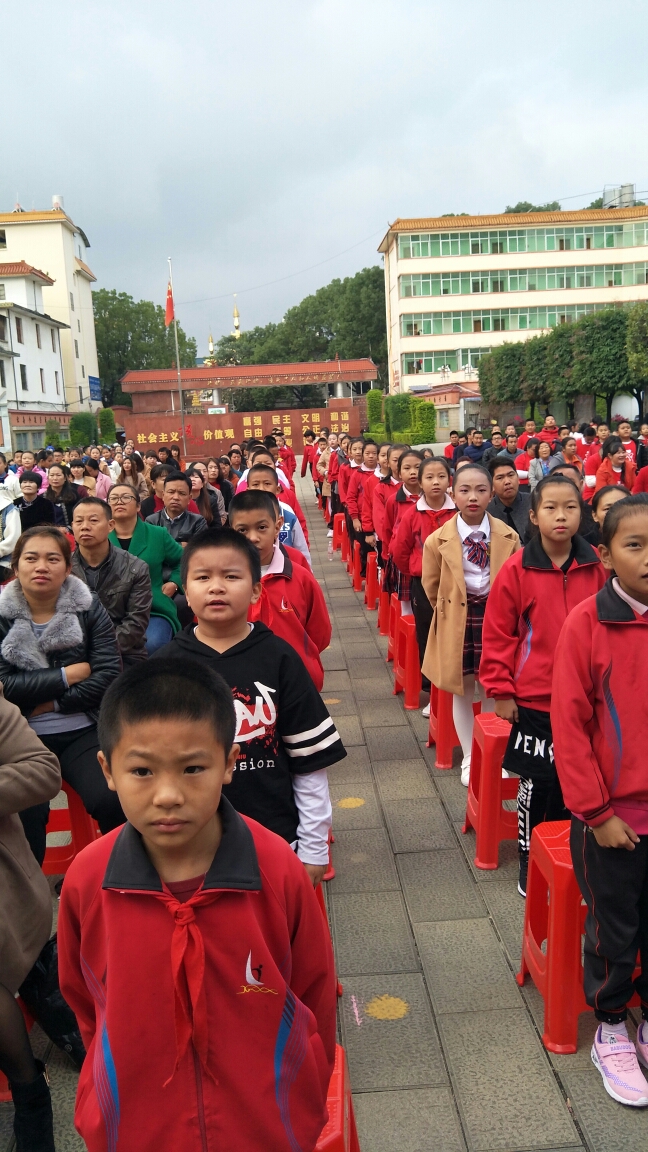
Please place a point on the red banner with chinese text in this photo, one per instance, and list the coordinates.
(212, 435)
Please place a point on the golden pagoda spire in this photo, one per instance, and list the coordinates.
(237, 322)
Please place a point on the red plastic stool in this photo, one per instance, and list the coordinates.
(72, 819)
(394, 617)
(487, 789)
(358, 578)
(339, 1133)
(407, 667)
(441, 729)
(383, 612)
(372, 591)
(5, 1094)
(338, 530)
(555, 913)
(344, 538)
(322, 903)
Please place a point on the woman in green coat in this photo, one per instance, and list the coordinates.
(162, 554)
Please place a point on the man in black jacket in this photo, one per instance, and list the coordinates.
(509, 504)
(122, 582)
(179, 523)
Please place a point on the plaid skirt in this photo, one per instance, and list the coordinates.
(396, 581)
(472, 647)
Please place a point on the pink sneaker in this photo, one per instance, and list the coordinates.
(642, 1043)
(622, 1077)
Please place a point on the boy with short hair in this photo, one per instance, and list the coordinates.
(288, 738)
(191, 946)
(263, 478)
(297, 609)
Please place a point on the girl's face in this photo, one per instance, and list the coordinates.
(128, 466)
(356, 451)
(471, 494)
(544, 451)
(409, 472)
(196, 482)
(618, 458)
(28, 461)
(370, 456)
(604, 505)
(332, 440)
(42, 567)
(383, 457)
(77, 470)
(175, 452)
(434, 483)
(644, 430)
(393, 458)
(559, 515)
(628, 554)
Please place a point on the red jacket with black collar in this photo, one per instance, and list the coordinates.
(383, 490)
(288, 461)
(395, 509)
(528, 604)
(307, 459)
(360, 491)
(209, 1024)
(293, 607)
(417, 523)
(600, 688)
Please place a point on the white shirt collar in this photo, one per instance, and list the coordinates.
(377, 472)
(276, 565)
(464, 529)
(423, 506)
(636, 605)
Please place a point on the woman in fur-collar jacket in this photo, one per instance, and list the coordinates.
(58, 654)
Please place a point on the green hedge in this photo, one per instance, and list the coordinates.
(107, 428)
(83, 429)
(374, 408)
(409, 418)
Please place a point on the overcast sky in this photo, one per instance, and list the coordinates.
(256, 139)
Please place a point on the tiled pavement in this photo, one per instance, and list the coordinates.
(444, 1049)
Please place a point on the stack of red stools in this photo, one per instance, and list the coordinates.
(554, 917)
(394, 617)
(73, 819)
(358, 578)
(407, 667)
(340, 1133)
(487, 789)
(339, 529)
(382, 623)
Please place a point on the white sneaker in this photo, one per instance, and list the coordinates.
(425, 711)
(465, 773)
(330, 532)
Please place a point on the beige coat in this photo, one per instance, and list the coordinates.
(322, 469)
(29, 774)
(445, 588)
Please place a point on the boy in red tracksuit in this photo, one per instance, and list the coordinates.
(359, 501)
(191, 946)
(600, 688)
(433, 508)
(286, 457)
(292, 601)
(532, 595)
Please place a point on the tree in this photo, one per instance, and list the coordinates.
(526, 206)
(637, 352)
(600, 357)
(53, 433)
(598, 203)
(131, 335)
(106, 418)
(83, 429)
(535, 373)
(560, 365)
(345, 318)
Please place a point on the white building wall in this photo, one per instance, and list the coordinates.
(50, 242)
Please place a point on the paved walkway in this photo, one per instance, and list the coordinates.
(444, 1049)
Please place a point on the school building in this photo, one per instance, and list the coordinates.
(530, 273)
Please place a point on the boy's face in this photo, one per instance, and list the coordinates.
(264, 482)
(628, 555)
(219, 586)
(260, 529)
(603, 432)
(169, 774)
(624, 430)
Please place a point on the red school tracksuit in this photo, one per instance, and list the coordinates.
(395, 508)
(417, 523)
(527, 607)
(359, 501)
(209, 1021)
(600, 688)
(383, 490)
(288, 461)
(293, 606)
(307, 459)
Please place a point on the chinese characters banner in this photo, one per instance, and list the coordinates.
(212, 435)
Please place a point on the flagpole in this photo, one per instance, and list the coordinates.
(175, 332)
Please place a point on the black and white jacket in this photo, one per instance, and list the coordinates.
(80, 631)
(286, 735)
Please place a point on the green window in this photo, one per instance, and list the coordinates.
(549, 239)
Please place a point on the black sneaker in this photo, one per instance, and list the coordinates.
(524, 868)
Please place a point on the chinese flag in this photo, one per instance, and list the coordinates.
(169, 313)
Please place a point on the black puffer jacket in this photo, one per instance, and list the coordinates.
(80, 631)
(123, 585)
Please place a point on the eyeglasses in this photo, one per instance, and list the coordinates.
(120, 500)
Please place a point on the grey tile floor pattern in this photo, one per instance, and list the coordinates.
(444, 1049)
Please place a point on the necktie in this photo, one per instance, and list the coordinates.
(477, 550)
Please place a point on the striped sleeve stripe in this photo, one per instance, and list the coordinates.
(299, 737)
(332, 739)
